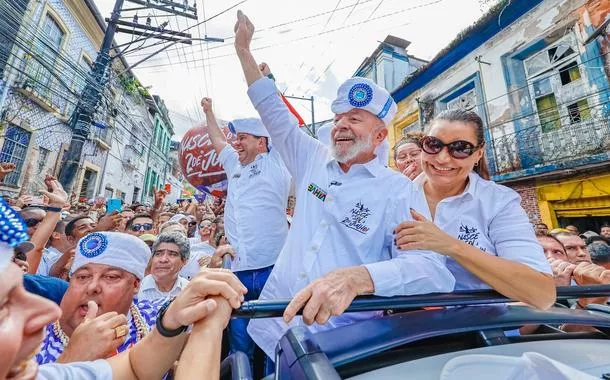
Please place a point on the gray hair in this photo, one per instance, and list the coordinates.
(175, 238)
(600, 252)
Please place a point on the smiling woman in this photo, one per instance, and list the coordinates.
(479, 225)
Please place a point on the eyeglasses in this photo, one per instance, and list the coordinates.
(192, 223)
(32, 222)
(140, 227)
(459, 149)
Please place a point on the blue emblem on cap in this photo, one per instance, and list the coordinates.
(386, 108)
(93, 245)
(13, 230)
(232, 128)
(360, 95)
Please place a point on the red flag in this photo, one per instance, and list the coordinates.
(293, 111)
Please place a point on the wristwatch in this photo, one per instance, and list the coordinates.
(52, 209)
(159, 323)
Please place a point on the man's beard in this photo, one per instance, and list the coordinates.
(360, 145)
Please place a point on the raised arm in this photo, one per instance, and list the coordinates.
(57, 200)
(211, 292)
(219, 141)
(294, 146)
(244, 30)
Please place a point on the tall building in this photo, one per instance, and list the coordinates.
(537, 74)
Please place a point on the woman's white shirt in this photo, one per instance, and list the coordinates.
(487, 216)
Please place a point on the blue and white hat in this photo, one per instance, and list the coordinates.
(115, 249)
(363, 93)
(251, 126)
(13, 234)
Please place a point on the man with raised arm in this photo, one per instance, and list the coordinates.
(340, 244)
(255, 210)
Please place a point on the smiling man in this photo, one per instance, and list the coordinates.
(340, 244)
(107, 270)
(255, 210)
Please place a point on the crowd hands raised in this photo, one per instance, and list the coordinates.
(122, 290)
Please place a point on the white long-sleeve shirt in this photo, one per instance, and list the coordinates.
(490, 217)
(255, 211)
(340, 220)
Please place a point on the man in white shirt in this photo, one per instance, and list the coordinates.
(255, 210)
(169, 254)
(348, 204)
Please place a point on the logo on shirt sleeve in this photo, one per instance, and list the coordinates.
(356, 219)
(317, 191)
(470, 235)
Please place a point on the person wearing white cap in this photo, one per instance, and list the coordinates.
(206, 303)
(255, 210)
(341, 240)
(107, 269)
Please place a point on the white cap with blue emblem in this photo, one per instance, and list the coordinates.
(365, 94)
(114, 249)
(13, 234)
(251, 126)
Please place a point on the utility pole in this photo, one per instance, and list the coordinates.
(312, 130)
(82, 117)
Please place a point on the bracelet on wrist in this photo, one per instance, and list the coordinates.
(159, 323)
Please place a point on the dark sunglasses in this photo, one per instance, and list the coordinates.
(459, 149)
(140, 227)
(32, 222)
(192, 223)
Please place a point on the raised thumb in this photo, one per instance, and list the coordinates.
(91, 311)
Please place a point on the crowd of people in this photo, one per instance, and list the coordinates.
(116, 294)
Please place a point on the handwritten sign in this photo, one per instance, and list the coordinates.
(198, 159)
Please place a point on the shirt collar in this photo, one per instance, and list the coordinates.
(373, 166)
(259, 156)
(473, 179)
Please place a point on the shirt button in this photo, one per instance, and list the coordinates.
(302, 275)
(324, 223)
(314, 247)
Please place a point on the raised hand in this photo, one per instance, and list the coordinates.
(264, 68)
(55, 192)
(194, 303)
(206, 104)
(244, 30)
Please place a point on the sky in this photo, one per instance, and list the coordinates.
(311, 47)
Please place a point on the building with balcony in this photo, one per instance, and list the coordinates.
(47, 69)
(537, 74)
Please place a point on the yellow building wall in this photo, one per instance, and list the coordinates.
(576, 198)
(407, 114)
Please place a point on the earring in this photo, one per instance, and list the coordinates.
(476, 164)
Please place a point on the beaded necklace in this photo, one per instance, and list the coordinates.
(138, 321)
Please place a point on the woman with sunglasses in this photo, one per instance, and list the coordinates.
(479, 225)
(407, 155)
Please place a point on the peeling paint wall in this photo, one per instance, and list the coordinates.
(508, 93)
